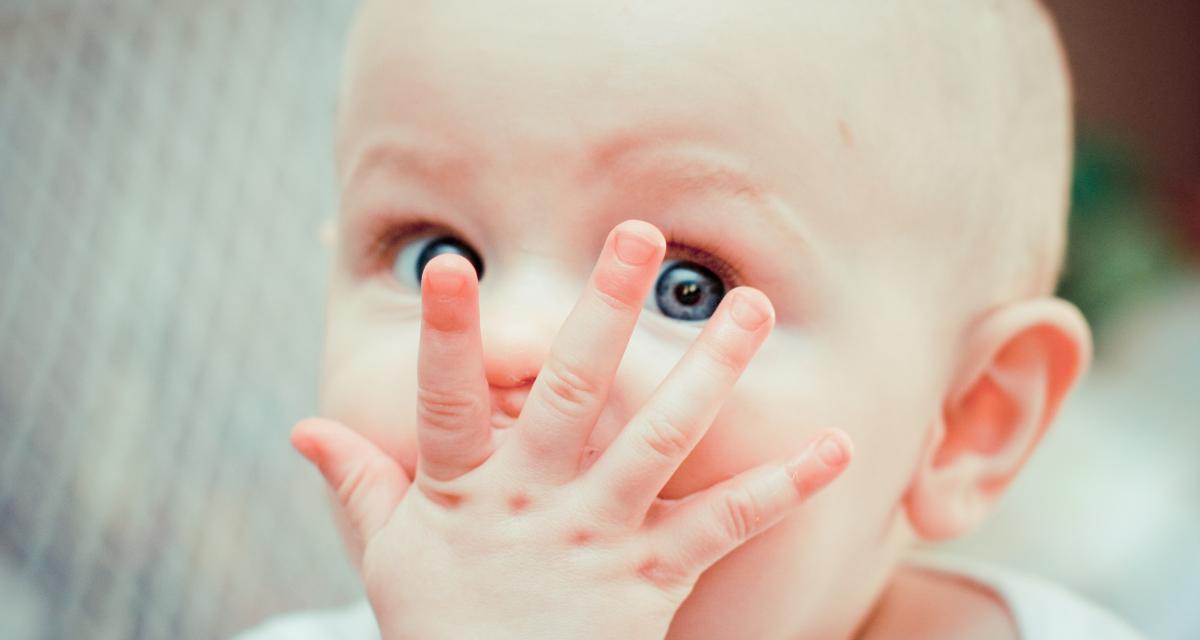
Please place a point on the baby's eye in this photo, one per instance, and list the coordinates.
(686, 291)
(411, 259)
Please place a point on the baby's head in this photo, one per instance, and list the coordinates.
(893, 176)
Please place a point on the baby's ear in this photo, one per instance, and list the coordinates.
(1019, 362)
(327, 234)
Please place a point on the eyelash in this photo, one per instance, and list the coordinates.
(386, 240)
(728, 269)
(385, 243)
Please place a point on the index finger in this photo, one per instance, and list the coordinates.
(453, 405)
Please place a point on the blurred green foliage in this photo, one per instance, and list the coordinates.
(1119, 247)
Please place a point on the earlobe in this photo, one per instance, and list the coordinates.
(1019, 363)
(939, 504)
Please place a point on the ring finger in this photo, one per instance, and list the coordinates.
(633, 470)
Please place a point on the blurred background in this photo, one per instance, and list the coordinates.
(164, 167)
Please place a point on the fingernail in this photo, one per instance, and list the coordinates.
(831, 451)
(633, 249)
(749, 315)
(445, 284)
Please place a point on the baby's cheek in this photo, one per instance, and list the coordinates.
(374, 393)
(766, 418)
(732, 445)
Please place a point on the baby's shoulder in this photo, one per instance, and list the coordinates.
(1039, 608)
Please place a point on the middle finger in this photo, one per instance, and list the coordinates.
(572, 386)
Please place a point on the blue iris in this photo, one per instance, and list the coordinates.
(688, 291)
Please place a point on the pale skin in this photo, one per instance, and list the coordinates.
(509, 533)
(733, 132)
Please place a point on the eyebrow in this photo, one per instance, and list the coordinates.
(672, 161)
(683, 171)
(690, 162)
(407, 156)
(420, 157)
(666, 161)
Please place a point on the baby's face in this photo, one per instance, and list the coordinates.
(521, 135)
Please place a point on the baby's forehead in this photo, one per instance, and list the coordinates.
(567, 78)
(866, 112)
(798, 74)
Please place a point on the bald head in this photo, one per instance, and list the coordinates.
(943, 127)
(885, 172)
(1006, 98)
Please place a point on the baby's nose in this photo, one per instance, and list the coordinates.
(517, 329)
(514, 347)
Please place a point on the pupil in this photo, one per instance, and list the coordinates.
(447, 244)
(687, 292)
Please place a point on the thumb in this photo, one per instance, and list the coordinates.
(367, 482)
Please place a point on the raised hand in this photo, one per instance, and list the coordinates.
(509, 536)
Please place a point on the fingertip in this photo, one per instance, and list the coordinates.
(314, 437)
(835, 448)
(443, 283)
(305, 447)
(821, 462)
(643, 229)
(447, 274)
(637, 243)
(448, 292)
(305, 438)
(751, 308)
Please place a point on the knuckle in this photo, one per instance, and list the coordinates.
(571, 390)
(726, 357)
(581, 537)
(738, 514)
(446, 409)
(663, 437)
(614, 293)
(660, 573)
(351, 485)
(447, 499)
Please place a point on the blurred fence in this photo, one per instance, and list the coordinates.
(163, 171)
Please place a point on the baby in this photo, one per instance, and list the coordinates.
(617, 284)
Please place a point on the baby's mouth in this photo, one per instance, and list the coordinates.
(506, 406)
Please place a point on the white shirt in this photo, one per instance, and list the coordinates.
(1042, 610)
